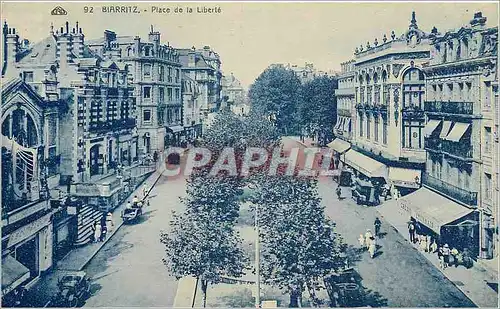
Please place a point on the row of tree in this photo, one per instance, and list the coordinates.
(299, 245)
(296, 108)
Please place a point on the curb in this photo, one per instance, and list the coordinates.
(118, 226)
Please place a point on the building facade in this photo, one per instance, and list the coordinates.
(204, 67)
(154, 71)
(345, 102)
(192, 109)
(387, 127)
(462, 124)
(30, 158)
(232, 92)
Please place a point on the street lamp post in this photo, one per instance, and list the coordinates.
(257, 258)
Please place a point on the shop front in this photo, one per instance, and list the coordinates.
(173, 136)
(445, 219)
(26, 253)
(369, 168)
(341, 173)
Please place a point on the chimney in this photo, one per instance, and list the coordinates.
(11, 47)
(109, 36)
(137, 46)
(154, 37)
(192, 57)
(64, 46)
(78, 41)
(478, 21)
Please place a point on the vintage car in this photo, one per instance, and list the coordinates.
(74, 287)
(131, 213)
(344, 289)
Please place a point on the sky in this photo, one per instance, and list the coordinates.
(251, 36)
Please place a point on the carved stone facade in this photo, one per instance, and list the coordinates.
(461, 87)
(389, 94)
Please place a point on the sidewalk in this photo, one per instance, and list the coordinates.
(472, 282)
(41, 293)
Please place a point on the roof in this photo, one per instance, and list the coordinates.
(43, 52)
(200, 61)
(124, 39)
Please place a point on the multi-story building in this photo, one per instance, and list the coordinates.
(461, 135)
(387, 127)
(232, 91)
(345, 102)
(192, 112)
(156, 75)
(204, 67)
(30, 159)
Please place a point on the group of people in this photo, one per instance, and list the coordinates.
(102, 227)
(427, 243)
(368, 240)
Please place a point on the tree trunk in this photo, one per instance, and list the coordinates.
(204, 286)
(312, 293)
(295, 297)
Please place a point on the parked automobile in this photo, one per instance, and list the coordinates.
(131, 214)
(74, 287)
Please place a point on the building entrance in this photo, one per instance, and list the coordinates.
(27, 254)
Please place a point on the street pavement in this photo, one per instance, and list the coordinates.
(399, 276)
(128, 270)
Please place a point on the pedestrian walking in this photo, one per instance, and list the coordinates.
(441, 257)
(446, 256)
(423, 243)
(429, 242)
(92, 235)
(411, 230)
(368, 237)
(339, 192)
(135, 200)
(361, 240)
(144, 190)
(377, 225)
(372, 247)
(433, 247)
(109, 222)
(104, 232)
(454, 254)
(97, 232)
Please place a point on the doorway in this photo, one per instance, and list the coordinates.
(27, 254)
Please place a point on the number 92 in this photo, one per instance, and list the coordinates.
(88, 9)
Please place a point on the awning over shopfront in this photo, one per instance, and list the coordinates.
(431, 126)
(13, 274)
(404, 177)
(432, 209)
(457, 131)
(175, 129)
(446, 129)
(365, 164)
(339, 145)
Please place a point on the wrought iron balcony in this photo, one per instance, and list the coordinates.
(432, 144)
(344, 112)
(412, 111)
(344, 92)
(460, 108)
(459, 194)
(118, 124)
(457, 149)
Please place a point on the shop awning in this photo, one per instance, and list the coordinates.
(446, 129)
(175, 129)
(432, 209)
(431, 127)
(339, 145)
(13, 274)
(346, 124)
(457, 131)
(365, 164)
(405, 177)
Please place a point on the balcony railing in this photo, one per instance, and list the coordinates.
(459, 149)
(344, 112)
(412, 111)
(344, 91)
(462, 195)
(114, 125)
(463, 108)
